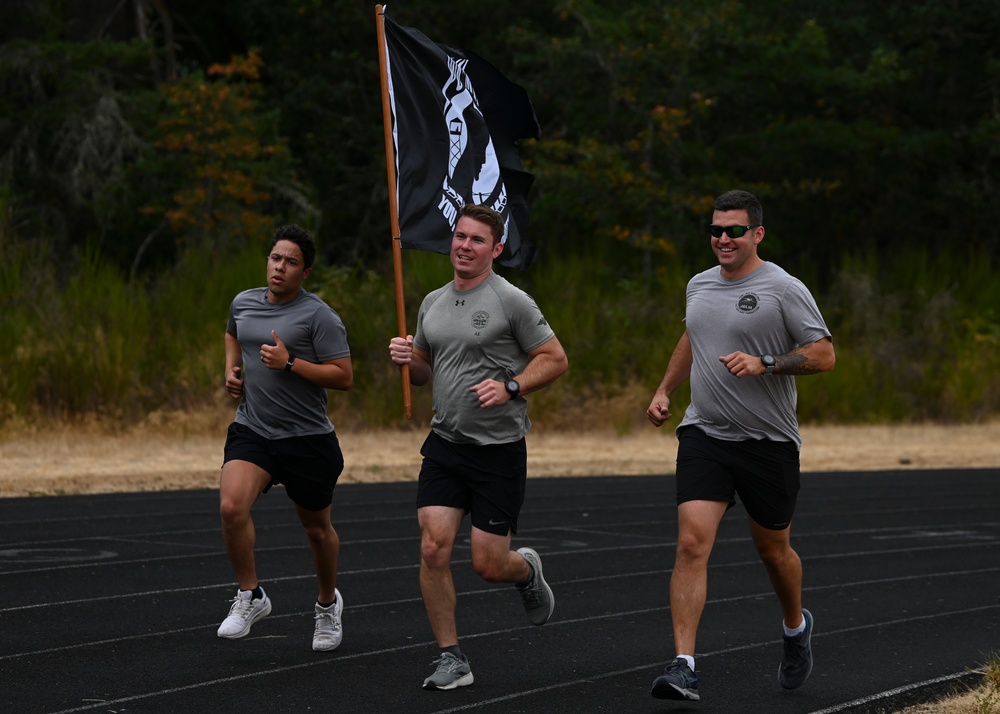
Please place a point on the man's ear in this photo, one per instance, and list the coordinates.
(498, 249)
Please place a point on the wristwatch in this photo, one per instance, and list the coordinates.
(290, 362)
(513, 388)
(769, 363)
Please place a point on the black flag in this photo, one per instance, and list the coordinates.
(456, 121)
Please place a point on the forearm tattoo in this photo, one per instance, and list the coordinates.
(795, 362)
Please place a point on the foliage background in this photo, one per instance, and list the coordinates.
(147, 150)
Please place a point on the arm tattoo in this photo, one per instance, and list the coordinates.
(795, 362)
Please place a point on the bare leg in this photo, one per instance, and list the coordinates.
(240, 485)
(438, 528)
(783, 568)
(698, 523)
(494, 561)
(325, 546)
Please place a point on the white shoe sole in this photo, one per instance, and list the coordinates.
(260, 615)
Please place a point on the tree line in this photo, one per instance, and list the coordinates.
(154, 132)
(865, 127)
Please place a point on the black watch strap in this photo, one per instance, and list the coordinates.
(290, 362)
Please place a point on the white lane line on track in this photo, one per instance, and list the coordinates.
(891, 693)
(506, 631)
(500, 589)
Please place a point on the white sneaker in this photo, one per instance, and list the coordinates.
(245, 611)
(328, 632)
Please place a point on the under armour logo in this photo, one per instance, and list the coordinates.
(459, 302)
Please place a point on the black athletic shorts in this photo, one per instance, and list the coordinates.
(487, 481)
(308, 466)
(764, 473)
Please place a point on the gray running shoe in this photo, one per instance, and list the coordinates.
(329, 633)
(798, 660)
(539, 602)
(450, 672)
(245, 611)
(676, 682)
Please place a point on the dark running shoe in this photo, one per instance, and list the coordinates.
(676, 682)
(798, 660)
(450, 672)
(539, 602)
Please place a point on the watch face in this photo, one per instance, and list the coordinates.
(768, 360)
(513, 388)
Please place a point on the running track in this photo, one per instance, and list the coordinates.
(110, 603)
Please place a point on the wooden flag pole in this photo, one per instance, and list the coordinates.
(390, 169)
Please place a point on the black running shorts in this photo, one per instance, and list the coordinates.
(307, 466)
(764, 473)
(487, 481)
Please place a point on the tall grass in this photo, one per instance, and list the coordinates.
(916, 340)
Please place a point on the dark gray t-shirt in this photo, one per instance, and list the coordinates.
(472, 335)
(278, 404)
(765, 312)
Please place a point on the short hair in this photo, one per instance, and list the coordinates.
(300, 237)
(737, 200)
(484, 214)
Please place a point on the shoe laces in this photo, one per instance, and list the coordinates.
(447, 662)
(241, 608)
(532, 592)
(796, 649)
(327, 623)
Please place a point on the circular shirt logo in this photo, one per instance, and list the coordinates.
(480, 319)
(748, 303)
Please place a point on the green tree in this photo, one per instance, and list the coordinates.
(228, 164)
(67, 134)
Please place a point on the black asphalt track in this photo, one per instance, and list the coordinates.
(110, 603)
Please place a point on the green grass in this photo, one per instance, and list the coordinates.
(916, 341)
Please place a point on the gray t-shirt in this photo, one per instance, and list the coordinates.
(765, 312)
(278, 404)
(472, 335)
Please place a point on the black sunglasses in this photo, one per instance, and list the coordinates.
(733, 231)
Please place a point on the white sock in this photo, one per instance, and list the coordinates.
(689, 659)
(797, 631)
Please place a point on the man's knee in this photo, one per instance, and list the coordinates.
(435, 549)
(233, 511)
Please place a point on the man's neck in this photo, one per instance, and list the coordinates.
(469, 283)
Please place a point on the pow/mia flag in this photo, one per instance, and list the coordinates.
(455, 125)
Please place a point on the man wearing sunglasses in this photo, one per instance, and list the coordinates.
(751, 328)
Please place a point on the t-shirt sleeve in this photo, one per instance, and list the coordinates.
(329, 335)
(802, 316)
(419, 339)
(530, 328)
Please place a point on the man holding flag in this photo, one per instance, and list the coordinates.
(456, 186)
(486, 345)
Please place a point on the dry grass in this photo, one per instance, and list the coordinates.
(985, 699)
(180, 450)
(964, 703)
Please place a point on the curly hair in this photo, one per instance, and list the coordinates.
(300, 237)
